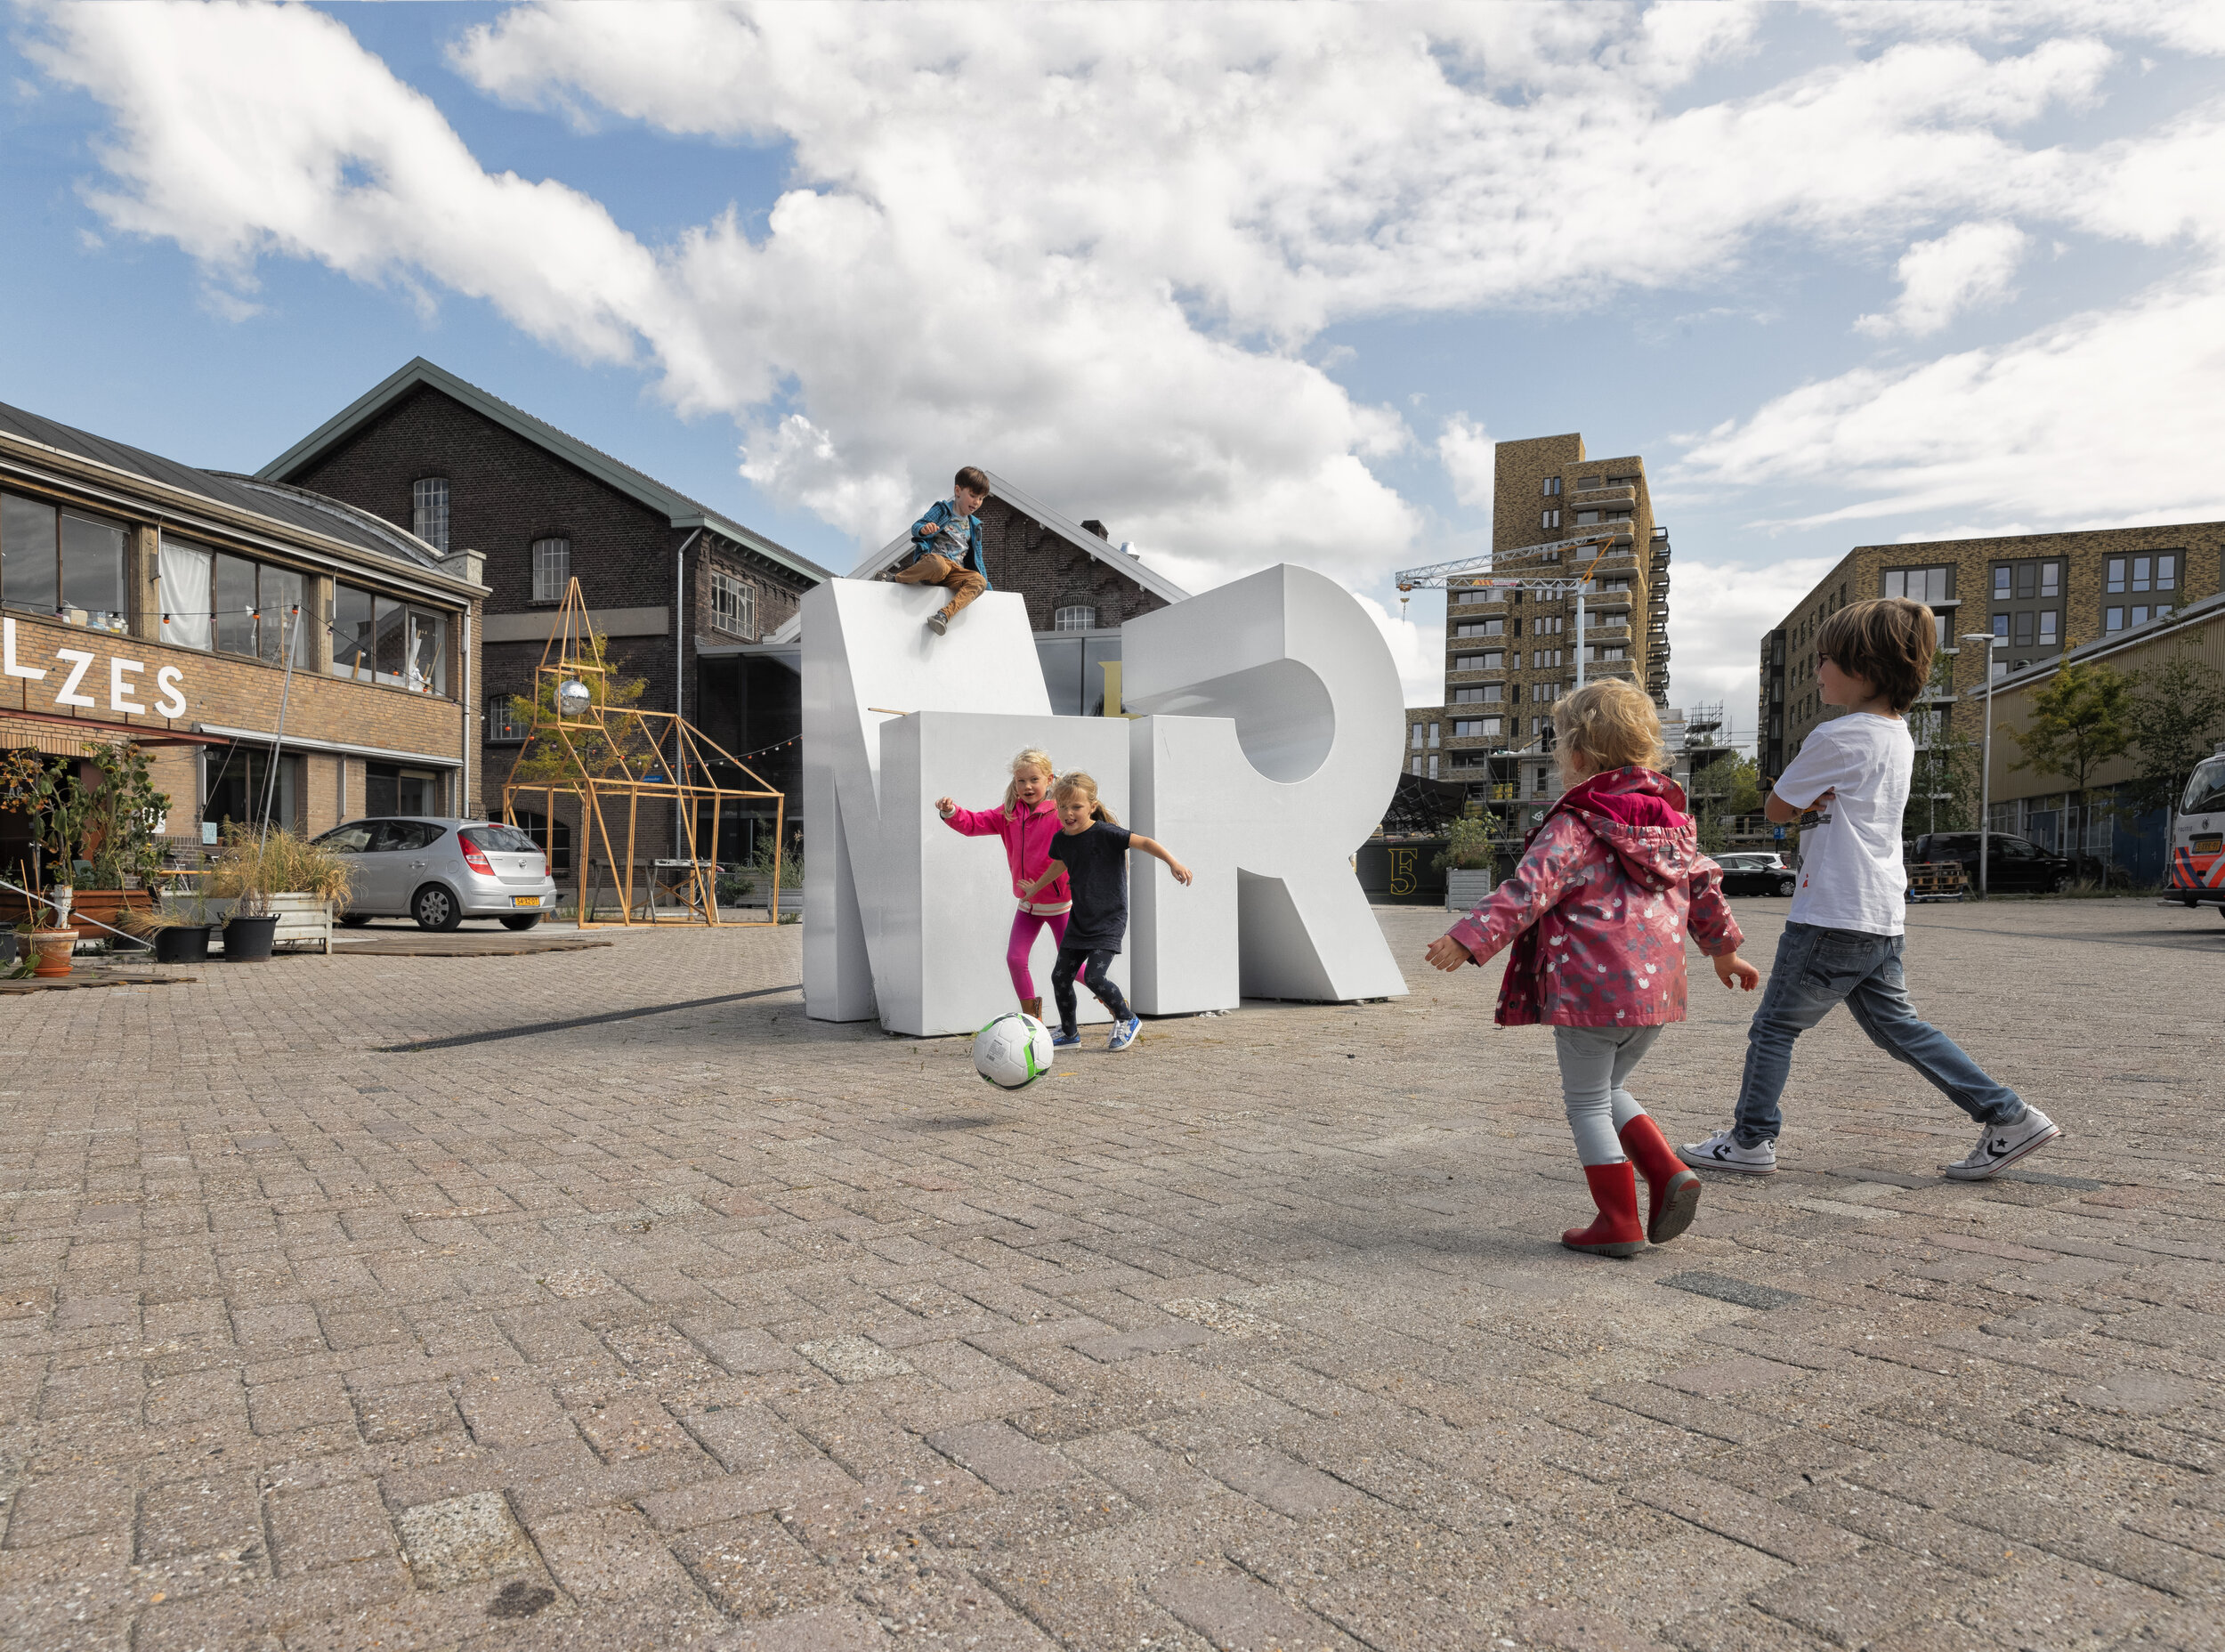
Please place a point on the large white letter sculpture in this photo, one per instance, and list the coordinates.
(1275, 748)
(1272, 747)
(901, 915)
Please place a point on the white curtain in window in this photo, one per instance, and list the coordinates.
(186, 603)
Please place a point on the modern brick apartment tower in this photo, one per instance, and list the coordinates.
(2041, 593)
(1509, 655)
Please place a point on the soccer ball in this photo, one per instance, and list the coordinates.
(1013, 1051)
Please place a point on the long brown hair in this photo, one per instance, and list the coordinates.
(1080, 784)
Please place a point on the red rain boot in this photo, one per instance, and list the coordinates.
(1617, 1232)
(1672, 1191)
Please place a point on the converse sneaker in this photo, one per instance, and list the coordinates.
(1124, 1033)
(2000, 1146)
(1721, 1152)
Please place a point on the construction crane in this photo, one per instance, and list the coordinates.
(1440, 576)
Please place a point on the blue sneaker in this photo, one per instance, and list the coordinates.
(1124, 1033)
(1064, 1040)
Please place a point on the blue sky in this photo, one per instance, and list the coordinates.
(1251, 284)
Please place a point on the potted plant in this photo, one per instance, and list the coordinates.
(289, 887)
(1468, 862)
(176, 938)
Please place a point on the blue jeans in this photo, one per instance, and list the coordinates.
(1816, 969)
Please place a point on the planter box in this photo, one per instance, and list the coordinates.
(1464, 891)
(103, 905)
(303, 920)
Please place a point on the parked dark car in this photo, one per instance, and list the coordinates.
(2014, 865)
(1756, 872)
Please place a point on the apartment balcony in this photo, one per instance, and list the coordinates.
(1608, 499)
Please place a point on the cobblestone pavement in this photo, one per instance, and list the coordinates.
(718, 1327)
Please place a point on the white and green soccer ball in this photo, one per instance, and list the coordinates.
(1013, 1051)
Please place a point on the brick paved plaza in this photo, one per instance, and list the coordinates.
(719, 1327)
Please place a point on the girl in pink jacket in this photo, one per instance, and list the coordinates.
(1597, 912)
(1027, 822)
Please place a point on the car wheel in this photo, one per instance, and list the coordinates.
(521, 921)
(436, 909)
(2059, 884)
(1785, 885)
(354, 920)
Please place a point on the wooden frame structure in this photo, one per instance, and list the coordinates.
(636, 754)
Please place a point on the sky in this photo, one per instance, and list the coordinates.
(1250, 284)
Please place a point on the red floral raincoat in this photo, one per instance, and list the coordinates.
(1599, 908)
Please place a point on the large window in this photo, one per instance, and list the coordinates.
(379, 639)
(1481, 628)
(1075, 617)
(428, 511)
(1492, 661)
(552, 569)
(1474, 728)
(505, 726)
(61, 565)
(733, 604)
(1480, 694)
(236, 786)
(1921, 584)
(234, 605)
(2143, 573)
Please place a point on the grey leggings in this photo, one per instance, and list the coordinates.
(1594, 1062)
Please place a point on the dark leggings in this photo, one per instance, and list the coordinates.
(1092, 964)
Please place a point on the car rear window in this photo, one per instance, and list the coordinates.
(503, 840)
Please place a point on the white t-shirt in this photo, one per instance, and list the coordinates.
(1852, 876)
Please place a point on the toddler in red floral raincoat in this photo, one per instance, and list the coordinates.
(1597, 912)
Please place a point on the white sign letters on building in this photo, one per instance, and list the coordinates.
(1270, 744)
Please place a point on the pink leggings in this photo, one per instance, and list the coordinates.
(1025, 928)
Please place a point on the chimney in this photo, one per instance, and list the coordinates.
(1097, 528)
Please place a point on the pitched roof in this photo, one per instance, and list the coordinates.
(680, 510)
(292, 507)
(1130, 566)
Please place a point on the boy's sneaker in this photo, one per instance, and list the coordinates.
(1721, 1152)
(939, 622)
(2000, 1146)
(1124, 1033)
(1064, 1039)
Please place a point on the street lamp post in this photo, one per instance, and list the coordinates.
(1986, 757)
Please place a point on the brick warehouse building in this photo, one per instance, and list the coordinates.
(681, 592)
(2041, 593)
(150, 601)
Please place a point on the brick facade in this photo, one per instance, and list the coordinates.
(1508, 658)
(506, 490)
(1788, 708)
(1052, 572)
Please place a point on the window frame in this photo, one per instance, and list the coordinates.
(550, 547)
(1074, 617)
(429, 509)
(733, 603)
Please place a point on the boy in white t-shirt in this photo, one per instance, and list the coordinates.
(1843, 939)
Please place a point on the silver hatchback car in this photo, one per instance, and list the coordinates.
(442, 871)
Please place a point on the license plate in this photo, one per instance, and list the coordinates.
(525, 900)
(2209, 844)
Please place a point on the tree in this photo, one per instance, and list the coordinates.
(2080, 721)
(1721, 789)
(605, 751)
(2178, 716)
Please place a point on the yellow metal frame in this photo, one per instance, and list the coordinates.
(655, 754)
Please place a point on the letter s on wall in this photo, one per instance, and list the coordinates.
(173, 701)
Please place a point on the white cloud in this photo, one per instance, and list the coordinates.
(1090, 246)
(1417, 648)
(2109, 416)
(1717, 613)
(1467, 453)
(1970, 265)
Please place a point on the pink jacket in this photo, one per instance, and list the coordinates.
(1027, 835)
(1599, 906)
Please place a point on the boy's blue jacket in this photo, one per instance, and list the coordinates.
(924, 530)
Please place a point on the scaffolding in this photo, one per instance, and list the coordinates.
(610, 758)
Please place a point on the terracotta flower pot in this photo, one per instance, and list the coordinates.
(48, 949)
